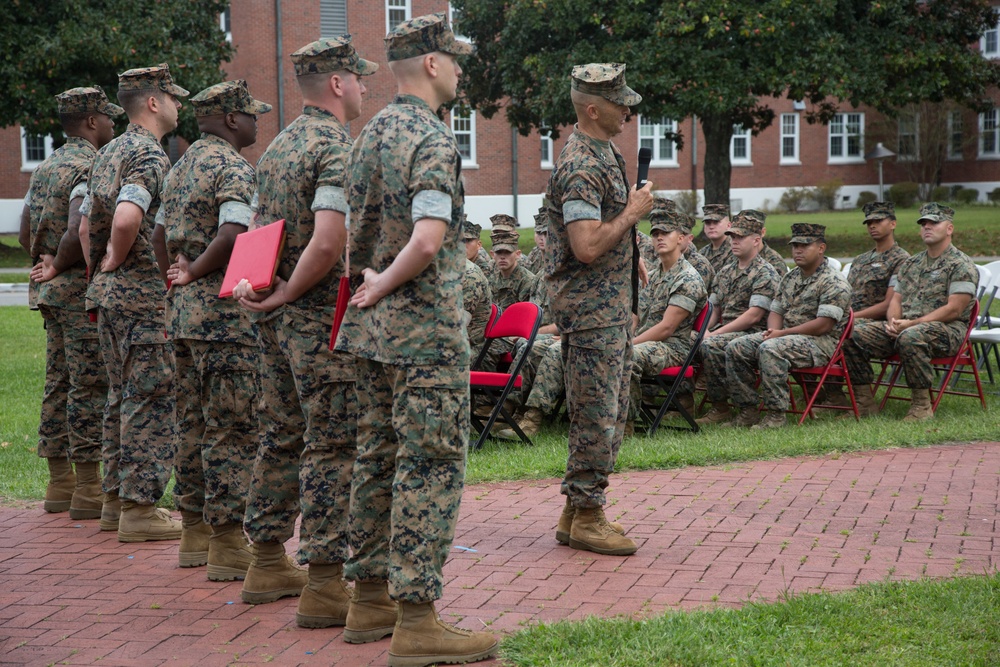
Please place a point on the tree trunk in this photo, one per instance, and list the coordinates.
(718, 135)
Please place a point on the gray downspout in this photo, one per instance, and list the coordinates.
(513, 166)
(280, 53)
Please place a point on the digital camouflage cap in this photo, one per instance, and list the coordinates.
(471, 231)
(90, 99)
(422, 35)
(879, 210)
(542, 221)
(503, 220)
(605, 80)
(807, 232)
(745, 226)
(227, 97)
(150, 78)
(714, 212)
(331, 55)
(936, 212)
(503, 236)
(666, 218)
(749, 214)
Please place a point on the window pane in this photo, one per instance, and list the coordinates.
(788, 147)
(837, 146)
(646, 143)
(34, 147)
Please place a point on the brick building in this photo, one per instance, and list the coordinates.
(506, 172)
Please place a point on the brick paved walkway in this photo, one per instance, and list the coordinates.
(70, 594)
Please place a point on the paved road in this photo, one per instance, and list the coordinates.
(13, 294)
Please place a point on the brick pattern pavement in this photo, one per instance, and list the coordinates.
(723, 535)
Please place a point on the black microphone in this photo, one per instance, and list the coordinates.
(645, 157)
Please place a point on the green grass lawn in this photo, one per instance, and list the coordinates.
(12, 255)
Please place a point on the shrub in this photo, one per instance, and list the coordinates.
(941, 193)
(904, 194)
(793, 199)
(825, 194)
(967, 196)
(994, 196)
(687, 202)
(866, 197)
(954, 192)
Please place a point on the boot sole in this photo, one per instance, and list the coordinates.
(109, 524)
(147, 537)
(424, 660)
(75, 513)
(562, 537)
(221, 573)
(192, 558)
(367, 636)
(583, 546)
(318, 621)
(266, 597)
(55, 506)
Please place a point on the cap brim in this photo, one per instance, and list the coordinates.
(874, 218)
(112, 110)
(363, 67)
(739, 231)
(933, 218)
(803, 239)
(258, 107)
(504, 246)
(459, 48)
(176, 90)
(625, 96)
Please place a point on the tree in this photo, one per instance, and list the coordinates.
(721, 59)
(55, 45)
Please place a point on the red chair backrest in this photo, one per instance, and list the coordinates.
(494, 312)
(973, 319)
(702, 316)
(518, 319)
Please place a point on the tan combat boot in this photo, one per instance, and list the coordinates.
(530, 423)
(272, 575)
(421, 638)
(372, 614)
(867, 405)
(229, 553)
(719, 414)
(565, 524)
(62, 483)
(592, 532)
(747, 417)
(195, 534)
(87, 496)
(324, 598)
(144, 523)
(921, 409)
(771, 419)
(111, 511)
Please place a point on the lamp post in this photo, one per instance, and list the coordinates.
(879, 154)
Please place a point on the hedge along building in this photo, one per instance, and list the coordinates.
(507, 173)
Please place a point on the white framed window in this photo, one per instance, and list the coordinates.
(463, 126)
(396, 11)
(789, 138)
(454, 16)
(226, 23)
(989, 134)
(34, 149)
(548, 150)
(847, 137)
(989, 43)
(907, 136)
(739, 147)
(956, 135)
(652, 135)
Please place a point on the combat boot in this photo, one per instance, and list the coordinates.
(530, 423)
(324, 598)
(592, 532)
(921, 409)
(747, 417)
(867, 406)
(565, 524)
(144, 523)
(719, 414)
(272, 575)
(111, 511)
(372, 613)
(195, 534)
(87, 497)
(771, 419)
(62, 483)
(421, 638)
(229, 553)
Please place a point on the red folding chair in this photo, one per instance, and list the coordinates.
(965, 356)
(817, 375)
(519, 320)
(670, 379)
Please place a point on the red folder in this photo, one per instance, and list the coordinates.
(343, 294)
(255, 257)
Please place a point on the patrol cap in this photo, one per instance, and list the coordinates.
(504, 238)
(715, 212)
(503, 220)
(749, 216)
(423, 35)
(746, 225)
(471, 231)
(150, 78)
(542, 221)
(86, 100)
(936, 212)
(331, 55)
(666, 217)
(879, 210)
(605, 80)
(226, 97)
(807, 232)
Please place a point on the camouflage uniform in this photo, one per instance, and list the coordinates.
(700, 264)
(138, 441)
(925, 283)
(591, 304)
(308, 405)
(477, 299)
(873, 273)
(413, 356)
(736, 290)
(717, 257)
(214, 350)
(534, 262)
(647, 251)
(772, 257)
(799, 299)
(76, 382)
(484, 261)
(514, 288)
